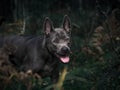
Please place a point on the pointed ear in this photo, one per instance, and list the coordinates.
(47, 26)
(66, 23)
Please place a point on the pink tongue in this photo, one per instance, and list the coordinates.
(65, 59)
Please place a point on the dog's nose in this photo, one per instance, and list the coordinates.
(65, 49)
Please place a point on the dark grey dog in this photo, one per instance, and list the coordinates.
(42, 54)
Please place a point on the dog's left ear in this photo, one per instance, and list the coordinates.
(48, 26)
(66, 23)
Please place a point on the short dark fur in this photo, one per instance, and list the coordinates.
(41, 53)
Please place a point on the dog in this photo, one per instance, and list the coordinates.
(42, 54)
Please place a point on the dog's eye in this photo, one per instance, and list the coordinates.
(55, 41)
(67, 40)
(69, 43)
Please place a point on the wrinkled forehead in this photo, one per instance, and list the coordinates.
(60, 32)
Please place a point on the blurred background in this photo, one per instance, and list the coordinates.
(95, 58)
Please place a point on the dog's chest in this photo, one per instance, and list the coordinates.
(49, 69)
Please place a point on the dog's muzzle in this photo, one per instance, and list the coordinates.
(63, 54)
(65, 50)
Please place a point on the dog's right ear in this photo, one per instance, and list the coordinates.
(48, 26)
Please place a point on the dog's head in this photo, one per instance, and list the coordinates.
(58, 39)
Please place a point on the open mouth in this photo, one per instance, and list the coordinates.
(63, 58)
